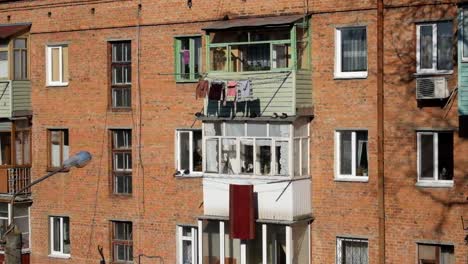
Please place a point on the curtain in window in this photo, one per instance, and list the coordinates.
(444, 46)
(425, 45)
(345, 153)
(353, 49)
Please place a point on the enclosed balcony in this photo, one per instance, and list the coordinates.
(268, 60)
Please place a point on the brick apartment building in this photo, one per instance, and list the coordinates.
(305, 148)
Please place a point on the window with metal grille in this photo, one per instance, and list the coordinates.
(121, 74)
(122, 161)
(351, 251)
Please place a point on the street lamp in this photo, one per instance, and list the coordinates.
(12, 235)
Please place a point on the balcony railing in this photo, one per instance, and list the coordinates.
(14, 179)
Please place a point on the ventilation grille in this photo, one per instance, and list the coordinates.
(431, 88)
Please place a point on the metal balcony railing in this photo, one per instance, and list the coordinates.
(18, 178)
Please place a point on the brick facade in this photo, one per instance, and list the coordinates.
(160, 105)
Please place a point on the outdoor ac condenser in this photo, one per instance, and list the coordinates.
(432, 88)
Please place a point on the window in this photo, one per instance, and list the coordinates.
(254, 50)
(188, 58)
(122, 242)
(351, 52)
(121, 74)
(189, 151)
(20, 59)
(21, 219)
(434, 47)
(187, 247)
(5, 145)
(59, 236)
(351, 150)
(435, 157)
(351, 251)
(4, 66)
(236, 148)
(23, 142)
(435, 254)
(57, 65)
(122, 161)
(465, 35)
(59, 147)
(273, 244)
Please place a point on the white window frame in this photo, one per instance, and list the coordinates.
(339, 246)
(435, 182)
(462, 35)
(177, 152)
(54, 253)
(352, 176)
(181, 238)
(338, 73)
(434, 69)
(243, 247)
(61, 82)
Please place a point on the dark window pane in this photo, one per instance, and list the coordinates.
(121, 97)
(66, 235)
(353, 49)
(444, 46)
(445, 148)
(197, 151)
(345, 153)
(123, 184)
(184, 150)
(354, 252)
(426, 47)
(57, 231)
(427, 156)
(465, 33)
(250, 57)
(361, 153)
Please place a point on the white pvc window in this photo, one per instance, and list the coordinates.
(435, 158)
(57, 65)
(434, 49)
(352, 251)
(351, 155)
(351, 52)
(187, 249)
(189, 151)
(60, 236)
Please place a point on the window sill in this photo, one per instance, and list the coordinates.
(58, 85)
(190, 175)
(350, 75)
(122, 195)
(54, 169)
(432, 73)
(186, 81)
(60, 256)
(123, 109)
(247, 176)
(352, 179)
(435, 184)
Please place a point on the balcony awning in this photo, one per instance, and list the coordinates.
(8, 30)
(254, 22)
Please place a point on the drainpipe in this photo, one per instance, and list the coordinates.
(380, 129)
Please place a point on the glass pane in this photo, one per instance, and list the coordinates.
(121, 97)
(465, 33)
(263, 156)
(27, 147)
(187, 231)
(229, 159)
(282, 158)
(5, 144)
(66, 235)
(272, 34)
(19, 148)
(218, 58)
(229, 36)
(302, 45)
(354, 251)
(123, 161)
(211, 238)
(4, 64)
(281, 56)
(305, 156)
(444, 46)
(235, 129)
(353, 49)
(301, 127)
(17, 64)
(197, 151)
(361, 154)
(250, 58)
(232, 252)
(122, 139)
(246, 156)
(24, 65)
(55, 141)
(123, 184)
(345, 153)
(427, 156)
(123, 231)
(55, 61)
(300, 243)
(212, 155)
(447, 254)
(19, 43)
(198, 56)
(445, 148)
(187, 252)
(65, 63)
(56, 231)
(184, 150)
(297, 157)
(254, 247)
(3, 210)
(256, 130)
(184, 56)
(279, 130)
(276, 244)
(121, 74)
(66, 146)
(213, 129)
(425, 48)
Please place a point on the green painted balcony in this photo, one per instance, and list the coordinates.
(15, 98)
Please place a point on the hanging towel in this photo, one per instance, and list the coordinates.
(216, 90)
(244, 90)
(202, 89)
(231, 91)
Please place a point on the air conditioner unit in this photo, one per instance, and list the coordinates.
(432, 88)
